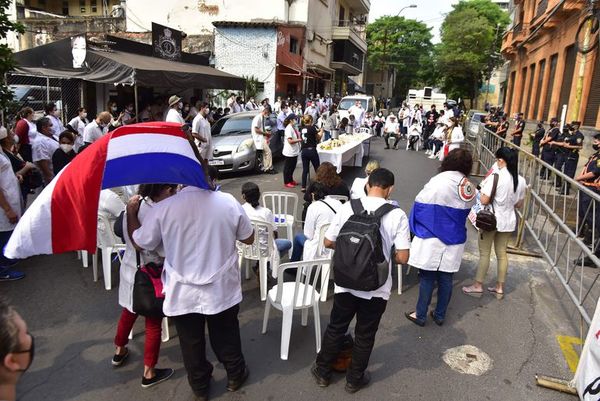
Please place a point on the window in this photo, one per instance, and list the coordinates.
(342, 16)
(82, 6)
(65, 7)
(94, 6)
(294, 45)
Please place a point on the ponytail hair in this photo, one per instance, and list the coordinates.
(251, 194)
(510, 156)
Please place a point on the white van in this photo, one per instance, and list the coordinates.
(368, 103)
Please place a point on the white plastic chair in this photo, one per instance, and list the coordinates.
(284, 206)
(300, 294)
(83, 255)
(341, 198)
(400, 277)
(262, 250)
(164, 336)
(417, 144)
(323, 252)
(108, 243)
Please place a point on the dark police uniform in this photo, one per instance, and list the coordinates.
(548, 151)
(502, 129)
(561, 153)
(518, 132)
(587, 216)
(572, 156)
(538, 135)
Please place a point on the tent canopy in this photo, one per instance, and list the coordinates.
(118, 67)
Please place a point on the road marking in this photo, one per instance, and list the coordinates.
(468, 359)
(567, 345)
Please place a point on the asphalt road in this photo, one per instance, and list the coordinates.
(74, 321)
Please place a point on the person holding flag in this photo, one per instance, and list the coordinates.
(437, 220)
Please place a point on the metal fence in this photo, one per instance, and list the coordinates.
(553, 222)
(36, 92)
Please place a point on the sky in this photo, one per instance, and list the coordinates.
(431, 12)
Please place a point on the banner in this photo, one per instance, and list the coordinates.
(166, 42)
(587, 376)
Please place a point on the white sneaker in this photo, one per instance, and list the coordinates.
(433, 157)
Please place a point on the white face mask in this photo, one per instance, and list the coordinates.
(180, 105)
(66, 147)
(83, 115)
(57, 113)
(114, 108)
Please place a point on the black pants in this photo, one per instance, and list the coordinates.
(368, 313)
(559, 163)
(224, 334)
(289, 165)
(25, 150)
(309, 155)
(535, 148)
(570, 168)
(517, 140)
(549, 156)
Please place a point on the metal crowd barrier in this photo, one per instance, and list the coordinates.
(552, 221)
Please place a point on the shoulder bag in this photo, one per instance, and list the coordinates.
(148, 297)
(486, 219)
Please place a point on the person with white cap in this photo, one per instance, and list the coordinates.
(174, 113)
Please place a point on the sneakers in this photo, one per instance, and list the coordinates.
(10, 275)
(118, 360)
(160, 376)
(289, 185)
(433, 156)
(362, 383)
(236, 384)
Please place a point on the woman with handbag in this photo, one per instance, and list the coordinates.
(502, 192)
(151, 194)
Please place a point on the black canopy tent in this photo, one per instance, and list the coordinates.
(112, 65)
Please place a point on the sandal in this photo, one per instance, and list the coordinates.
(493, 289)
(472, 292)
(414, 319)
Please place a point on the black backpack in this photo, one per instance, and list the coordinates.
(359, 260)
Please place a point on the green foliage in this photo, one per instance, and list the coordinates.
(471, 38)
(253, 86)
(403, 45)
(7, 62)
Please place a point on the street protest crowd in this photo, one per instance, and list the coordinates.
(359, 230)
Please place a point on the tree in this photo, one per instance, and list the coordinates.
(470, 46)
(400, 44)
(7, 62)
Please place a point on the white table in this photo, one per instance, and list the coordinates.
(350, 154)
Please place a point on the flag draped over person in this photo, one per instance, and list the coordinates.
(64, 216)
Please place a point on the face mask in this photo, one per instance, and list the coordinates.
(187, 109)
(596, 147)
(114, 108)
(83, 115)
(66, 147)
(57, 113)
(180, 105)
(30, 351)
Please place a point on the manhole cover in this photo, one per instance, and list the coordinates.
(468, 359)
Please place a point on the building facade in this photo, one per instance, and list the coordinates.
(546, 70)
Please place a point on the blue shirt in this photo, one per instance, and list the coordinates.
(280, 119)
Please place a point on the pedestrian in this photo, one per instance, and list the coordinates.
(65, 153)
(536, 138)
(331, 122)
(312, 111)
(358, 112)
(322, 210)
(506, 196)
(26, 131)
(502, 127)
(311, 137)
(16, 350)
(291, 149)
(23, 170)
(549, 150)
(77, 127)
(391, 129)
(43, 148)
(573, 144)
(437, 221)
(174, 113)
(151, 194)
(260, 135)
(284, 112)
(367, 306)
(414, 134)
(359, 186)
(201, 131)
(201, 288)
(455, 135)
(251, 105)
(517, 133)
(328, 176)
(53, 114)
(437, 140)
(129, 116)
(97, 128)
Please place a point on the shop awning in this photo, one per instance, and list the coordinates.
(118, 67)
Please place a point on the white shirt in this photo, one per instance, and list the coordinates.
(394, 231)
(92, 132)
(258, 122)
(201, 273)
(358, 188)
(9, 185)
(358, 112)
(79, 125)
(391, 128)
(504, 199)
(173, 116)
(201, 126)
(261, 213)
(43, 148)
(313, 112)
(57, 126)
(456, 138)
(291, 150)
(415, 130)
(32, 131)
(317, 214)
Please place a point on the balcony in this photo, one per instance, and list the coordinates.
(347, 57)
(359, 6)
(347, 30)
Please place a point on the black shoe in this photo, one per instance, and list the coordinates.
(387, 147)
(363, 382)
(321, 381)
(586, 262)
(160, 376)
(414, 319)
(118, 360)
(235, 384)
(436, 320)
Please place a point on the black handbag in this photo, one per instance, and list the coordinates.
(486, 219)
(148, 298)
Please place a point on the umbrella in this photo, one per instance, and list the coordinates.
(64, 216)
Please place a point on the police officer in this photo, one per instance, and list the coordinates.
(549, 151)
(537, 137)
(590, 178)
(502, 128)
(561, 152)
(573, 144)
(517, 134)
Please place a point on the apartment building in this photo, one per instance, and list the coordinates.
(546, 70)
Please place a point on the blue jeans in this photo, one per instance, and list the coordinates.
(299, 241)
(283, 245)
(427, 281)
(326, 135)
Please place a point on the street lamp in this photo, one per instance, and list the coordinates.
(404, 8)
